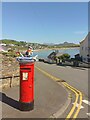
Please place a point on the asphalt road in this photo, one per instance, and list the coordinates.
(49, 98)
(76, 77)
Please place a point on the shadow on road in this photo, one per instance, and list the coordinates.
(9, 101)
(81, 68)
(74, 67)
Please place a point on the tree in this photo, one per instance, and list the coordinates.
(64, 57)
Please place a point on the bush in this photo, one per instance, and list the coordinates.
(10, 50)
(65, 56)
(4, 53)
(10, 54)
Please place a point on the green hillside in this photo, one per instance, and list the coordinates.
(7, 41)
(37, 45)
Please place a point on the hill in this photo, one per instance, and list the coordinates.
(67, 44)
(37, 45)
(7, 41)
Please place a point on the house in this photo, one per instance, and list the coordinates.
(3, 49)
(2, 44)
(85, 49)
(52, 57)
(11, 45)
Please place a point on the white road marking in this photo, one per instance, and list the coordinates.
(88, 114)
(78, 105)
(86, 101)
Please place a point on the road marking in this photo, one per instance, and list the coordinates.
(78, 105)
(88, 114)
(74, 106)
(80, 102)
(77, 94)
(86, 102)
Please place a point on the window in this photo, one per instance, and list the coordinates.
(84, 58)
(86, 48)
(87, 55)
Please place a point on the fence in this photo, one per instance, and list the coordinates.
(9, 81)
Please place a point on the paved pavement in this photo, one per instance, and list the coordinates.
(49, 98)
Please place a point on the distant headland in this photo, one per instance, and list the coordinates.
(23, 44)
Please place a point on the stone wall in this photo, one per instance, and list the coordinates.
(9, 72)
(9, 82)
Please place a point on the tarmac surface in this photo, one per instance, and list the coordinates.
(49, 98)
(78, 77)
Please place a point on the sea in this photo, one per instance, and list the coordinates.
(44, 53)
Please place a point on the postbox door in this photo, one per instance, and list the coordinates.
(31, 84)
(27, 85)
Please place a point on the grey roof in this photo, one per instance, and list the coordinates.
(59, 54)
(52, 55)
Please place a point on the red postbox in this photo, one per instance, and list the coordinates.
(26, 86)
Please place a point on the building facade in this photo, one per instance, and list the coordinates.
(85, 49)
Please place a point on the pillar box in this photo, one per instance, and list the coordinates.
(26, 100)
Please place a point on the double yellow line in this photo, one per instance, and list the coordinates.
(78, 95)
(74, 111)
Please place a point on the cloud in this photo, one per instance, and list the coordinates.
(80, 32)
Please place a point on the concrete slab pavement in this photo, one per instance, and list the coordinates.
(49, 98)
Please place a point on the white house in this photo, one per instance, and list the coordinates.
(3, 49)
(11, 45)
(2, 44)
(85, 49)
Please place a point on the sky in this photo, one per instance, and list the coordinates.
(45, 22)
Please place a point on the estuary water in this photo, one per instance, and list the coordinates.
(45, 53)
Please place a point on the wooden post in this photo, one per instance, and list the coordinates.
(11, 80)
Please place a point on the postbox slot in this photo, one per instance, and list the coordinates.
(26, 69)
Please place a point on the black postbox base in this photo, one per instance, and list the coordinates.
(26, 106)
